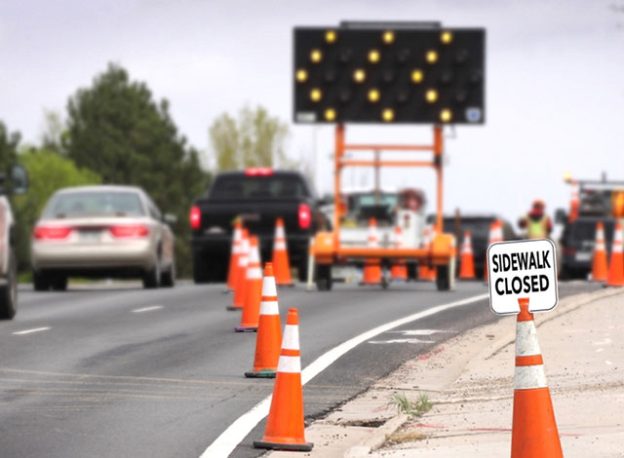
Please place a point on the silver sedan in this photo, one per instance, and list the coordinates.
(102, 231)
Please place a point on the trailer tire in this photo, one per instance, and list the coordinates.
(445, 276)
(324, 281)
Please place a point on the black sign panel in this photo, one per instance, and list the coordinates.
(385, 75)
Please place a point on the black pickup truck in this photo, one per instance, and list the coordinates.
(258, 196)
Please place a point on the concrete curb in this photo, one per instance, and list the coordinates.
(377, 438)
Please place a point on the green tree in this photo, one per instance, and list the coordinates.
(117, 128)
(9, 142)
(254, 139)
(48, 171)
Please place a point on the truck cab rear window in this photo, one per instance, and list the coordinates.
(245, 187)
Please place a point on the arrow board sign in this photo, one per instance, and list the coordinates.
(525, 269)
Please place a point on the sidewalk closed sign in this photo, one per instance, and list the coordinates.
(525, 269)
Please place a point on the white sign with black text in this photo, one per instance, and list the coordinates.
(524, 269)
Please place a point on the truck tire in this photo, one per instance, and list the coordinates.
(59, 283)
(8, 292)
(302, 270)
(200, 270)
(41, 281)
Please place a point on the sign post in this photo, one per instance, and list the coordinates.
(523, 279)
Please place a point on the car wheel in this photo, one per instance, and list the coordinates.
(200, 269)
(169, 277)
(151, 278)
(41, 281)
(59, 283)
(8, 292)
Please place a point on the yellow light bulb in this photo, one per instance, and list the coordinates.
(446, 37)
(373, 95)
(359, 75)
(432, 56)
(330, 36)
(388, 37)
(374, 56)
(301, 75)
(316, 56)
(417, 76)
(446, 115)
(316, 95)
(387, 114)
(431, 95)
(330, 114)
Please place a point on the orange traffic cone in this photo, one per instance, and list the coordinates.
(599, 262)
(284, 427)
(269, 329)
(236, 246)
(253, 290)
(424, 271)
(281, 264)
(467, 270)
(495, 236)
(534, 431)
(615, 277)
(372, 266)
(398, 271)
(240, 283)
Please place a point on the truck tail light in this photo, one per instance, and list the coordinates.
(195, 217)
(51, 232)
(259, 171)
(123, 231)
(569, 251)
(305, 216)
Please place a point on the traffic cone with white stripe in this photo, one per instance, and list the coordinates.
(372, 266)
(269, 329)
(575, 205)
(285, 427)
(534, 431)
(424, 271)
(281, 263)
(466, 267)
(253, 290)
(495, 236)
(599, 262)
(240, 282)
(236, 247)
(398, 271)
(615, 277)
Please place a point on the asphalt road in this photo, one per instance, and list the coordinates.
(123, 372)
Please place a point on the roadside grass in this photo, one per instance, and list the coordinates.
(413, 409)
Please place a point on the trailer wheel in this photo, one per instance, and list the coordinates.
(443, 281)
(324, 280)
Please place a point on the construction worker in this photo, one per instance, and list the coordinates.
(537, 223)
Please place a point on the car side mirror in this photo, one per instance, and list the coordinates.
(170, 218)
(19, 179)
(561, 217)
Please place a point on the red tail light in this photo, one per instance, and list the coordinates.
(569, 251)
(195, 217)
(129, 231)
(305, 216)
(52, 232)
(259, 171)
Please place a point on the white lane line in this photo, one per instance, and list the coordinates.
(236, 432)
(31, 331)
(147, 309)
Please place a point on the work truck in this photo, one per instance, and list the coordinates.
(257, 197)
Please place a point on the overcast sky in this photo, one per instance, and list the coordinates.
(555, 85)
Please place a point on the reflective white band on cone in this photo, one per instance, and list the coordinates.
(529, 377)
(254, 273)
(526, 339)
(268, 287)
(290, 341)
(279, 232)
(269, 308)
(280, 245)
(289, 364)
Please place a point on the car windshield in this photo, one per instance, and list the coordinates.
(262, 187)
(94, 203)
